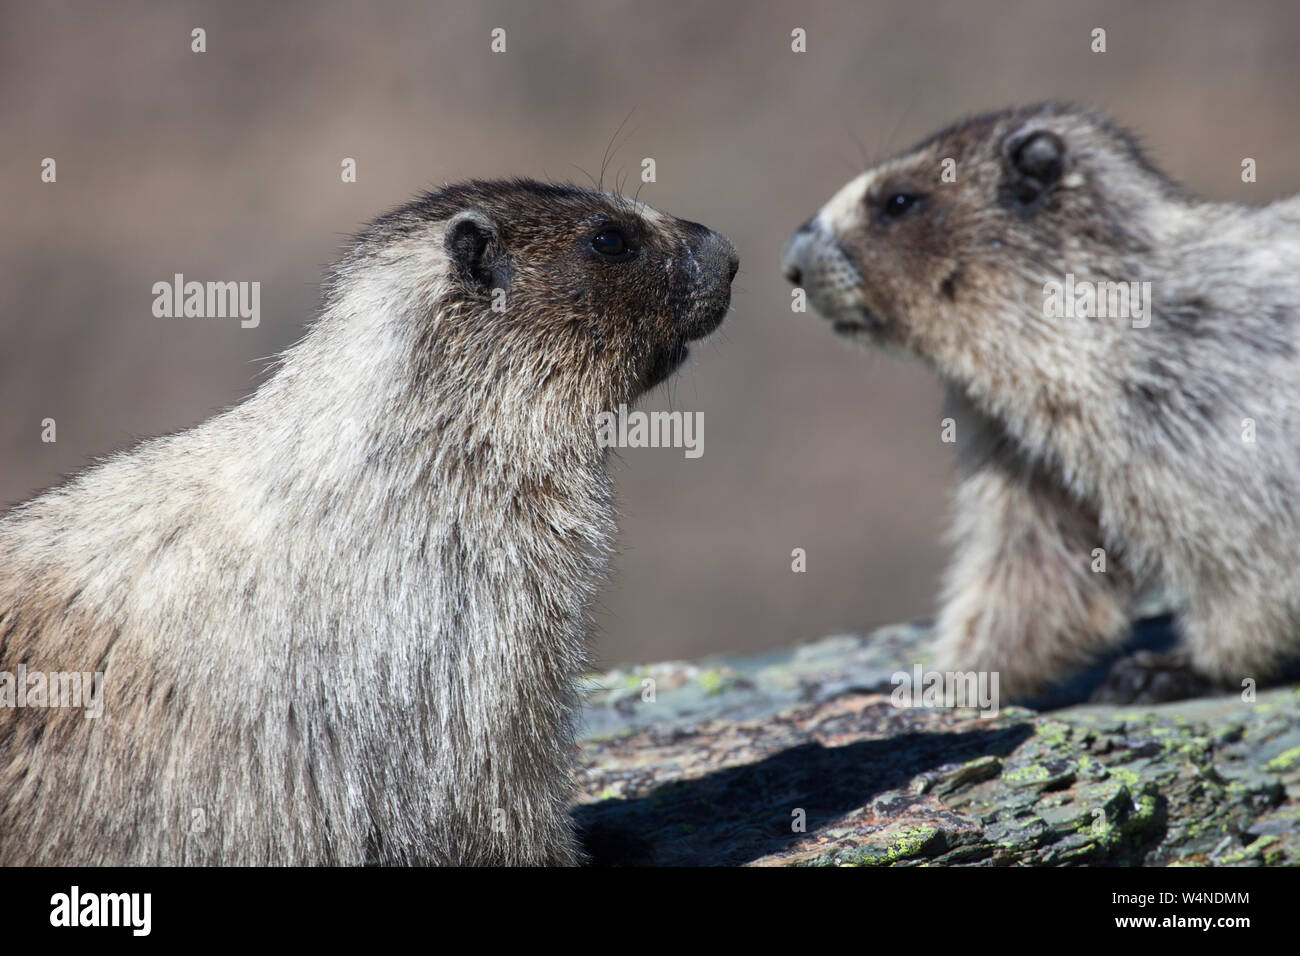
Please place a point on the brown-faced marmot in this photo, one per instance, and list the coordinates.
(1121, 364)
(342, 621)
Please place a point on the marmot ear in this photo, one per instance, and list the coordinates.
(473, 247)
(1036, 160)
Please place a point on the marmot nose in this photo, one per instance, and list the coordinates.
(794, 254)
(713, 248)
(718, 249)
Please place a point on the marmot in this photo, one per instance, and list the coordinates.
(1158, 441)
(341, 623)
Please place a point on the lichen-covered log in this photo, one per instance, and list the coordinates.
(800, 758)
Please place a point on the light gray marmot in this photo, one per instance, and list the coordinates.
(1167, 435)
(342, 621)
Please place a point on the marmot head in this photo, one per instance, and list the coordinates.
(524, 297)
(936, 248)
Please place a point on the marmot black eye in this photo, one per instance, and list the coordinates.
(609, 242)
(899, 205)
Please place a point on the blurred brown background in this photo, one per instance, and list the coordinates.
(225, 166)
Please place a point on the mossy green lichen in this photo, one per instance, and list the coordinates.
(1284, 761)
(1053, 733)
(712, 681)
(1126, 775)
(1255, 851)
(1027, 776)
(906, 844)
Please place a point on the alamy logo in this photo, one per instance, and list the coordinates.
(921, 688)
(103, 909)
(208, 300)
(1080, 298)
(53, 689)
(624, 429)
